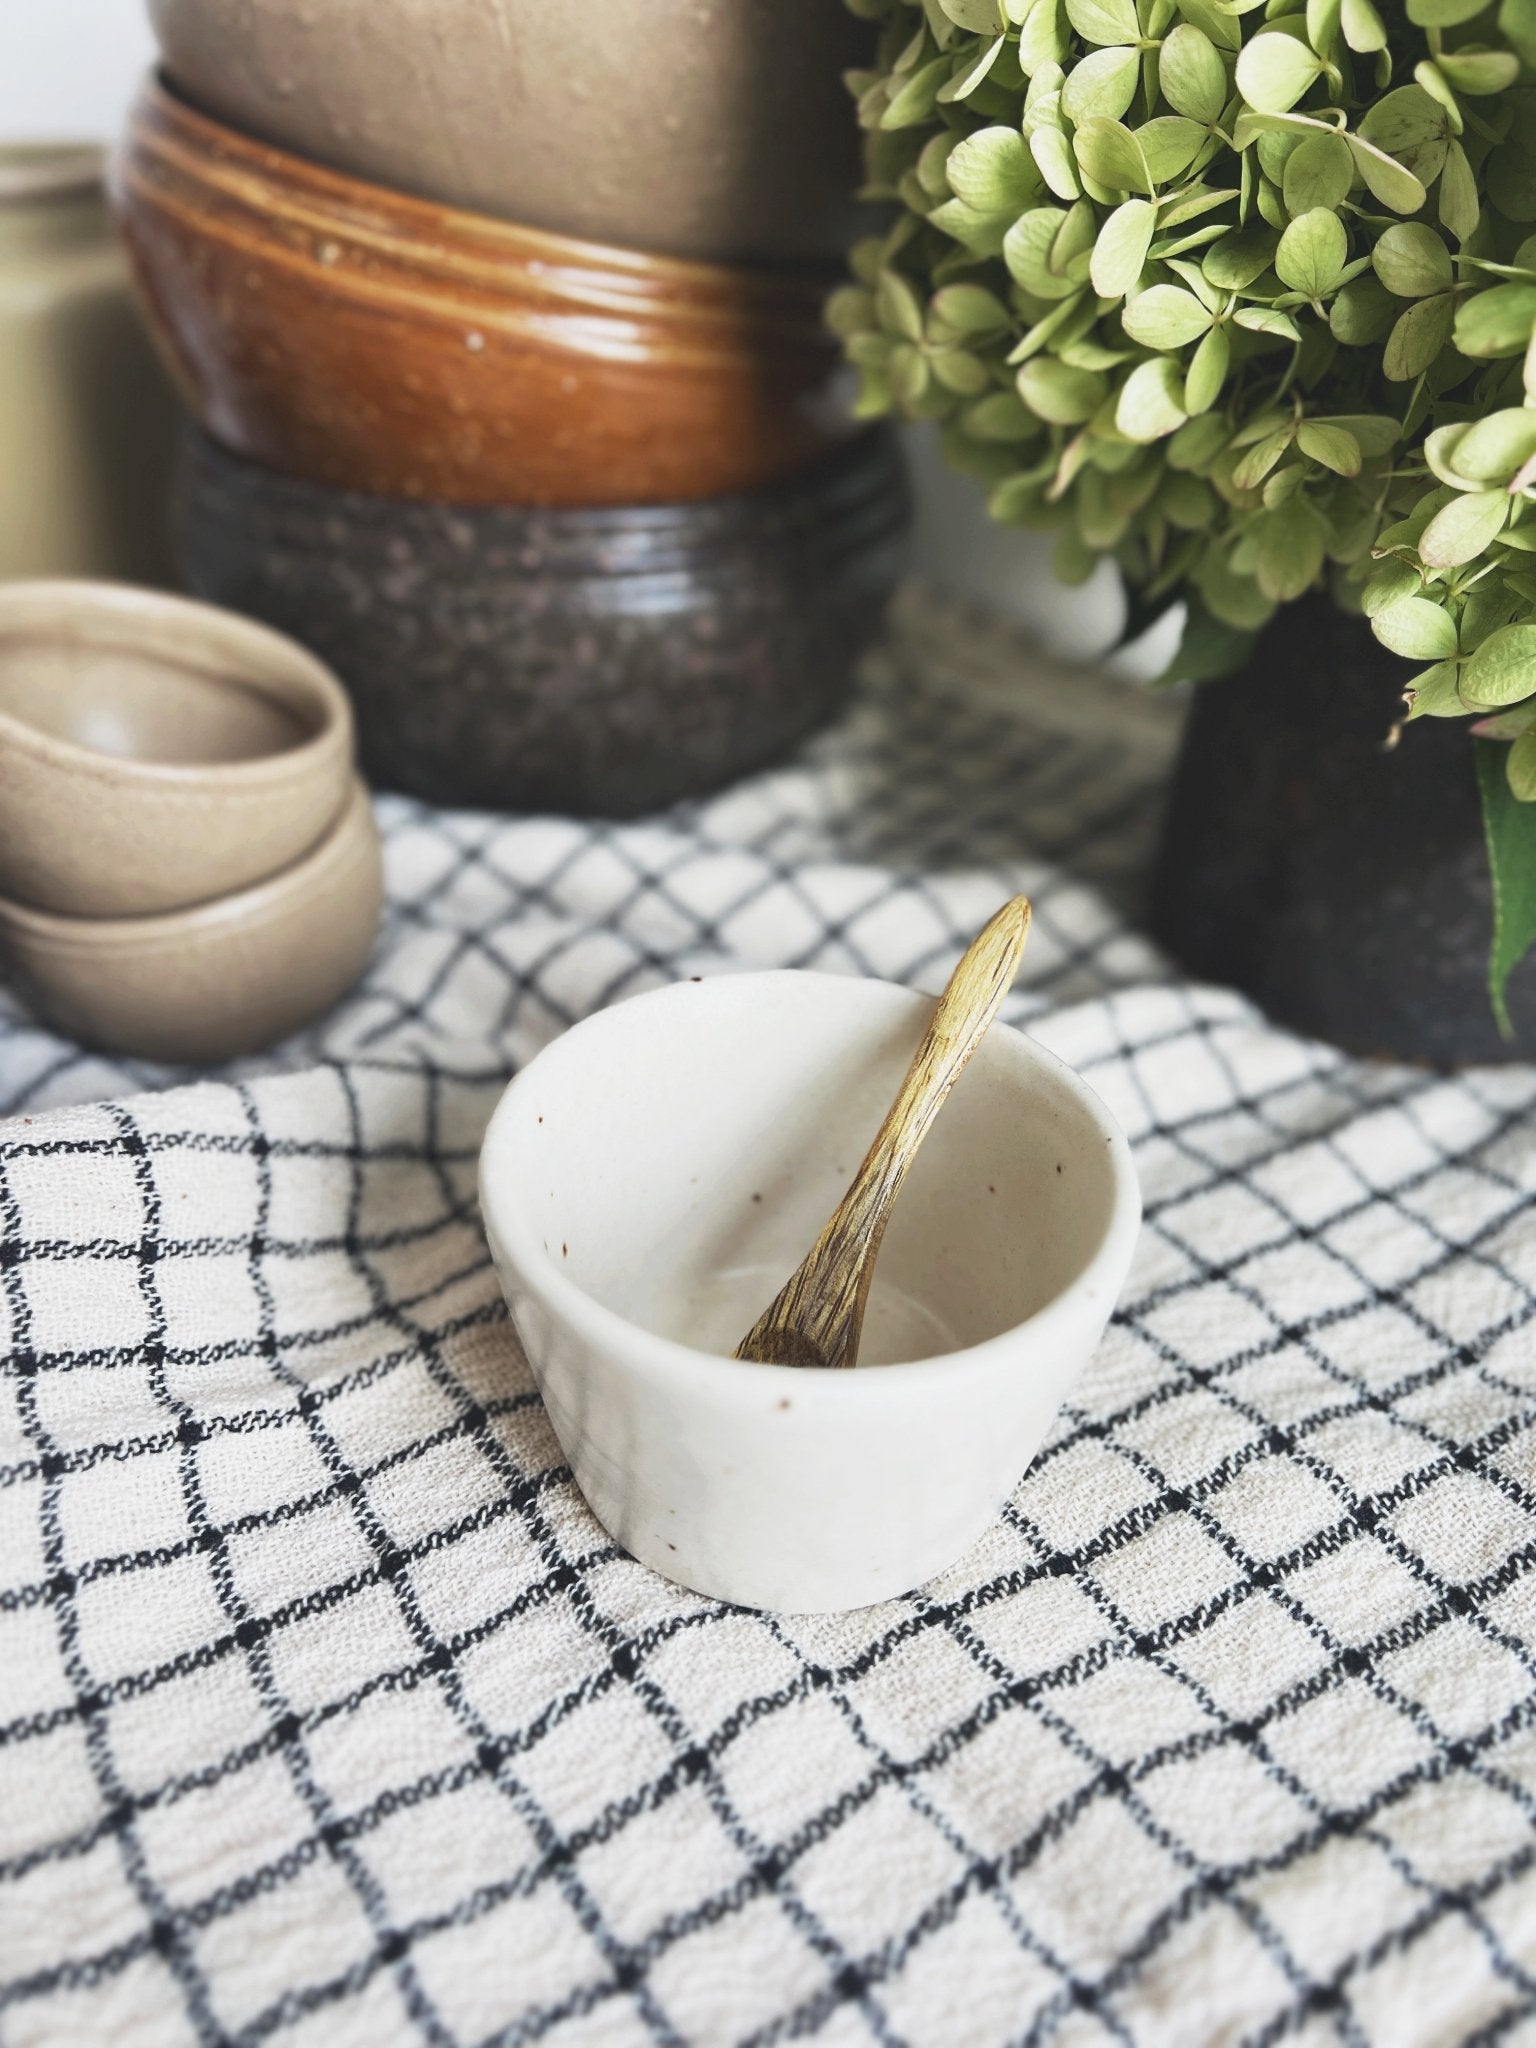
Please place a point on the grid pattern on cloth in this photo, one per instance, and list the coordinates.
(329, 1714)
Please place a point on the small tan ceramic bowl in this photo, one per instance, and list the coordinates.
(156, 753)
(221, 979)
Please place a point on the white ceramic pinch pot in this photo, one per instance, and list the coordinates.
(651, 1179)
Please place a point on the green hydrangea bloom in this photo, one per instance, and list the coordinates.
(1241, 293)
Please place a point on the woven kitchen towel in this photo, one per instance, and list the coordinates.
(329, 1715)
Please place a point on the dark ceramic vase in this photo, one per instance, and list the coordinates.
(597, 662)
(1343, 886)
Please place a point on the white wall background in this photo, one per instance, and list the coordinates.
(68, 68)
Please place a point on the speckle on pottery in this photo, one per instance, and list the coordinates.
(525, 659)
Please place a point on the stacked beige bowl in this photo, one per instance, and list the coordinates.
(189, 864)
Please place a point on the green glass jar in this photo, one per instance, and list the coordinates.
(87, 418)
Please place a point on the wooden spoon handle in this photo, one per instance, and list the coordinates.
(967, 1007)
(820, 1312)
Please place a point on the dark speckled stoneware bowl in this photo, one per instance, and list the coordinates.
(599, 662)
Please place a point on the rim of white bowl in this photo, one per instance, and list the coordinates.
(29, 607)
(1108, 1264)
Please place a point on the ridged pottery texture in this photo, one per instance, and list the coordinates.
(343, 333)
(603, 662)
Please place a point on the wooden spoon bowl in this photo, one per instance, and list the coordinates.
(350, 335)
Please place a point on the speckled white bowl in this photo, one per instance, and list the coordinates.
(652, 1178)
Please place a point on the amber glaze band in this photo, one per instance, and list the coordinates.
(350, 335)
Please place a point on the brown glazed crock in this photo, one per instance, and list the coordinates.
(352, 336)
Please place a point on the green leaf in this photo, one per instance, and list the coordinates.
(1044, 37)
(1197, 444)
(1389, 181)
(969, 309)
(1404, 120)
(1239, 257)
(994, 172)
(1493, 448)
(1479, 73)
(960, 371)
(1334, 447)
(1412, 261)
(1461, 530)
(1508, 725)
(1104, 21)
(1053, 157)
(1443, 13)
(1235, 599)
(1458, 205)
(972, 71)
(1418, 338)
(1207, 371)
(981, 17)
(1362, 313)
(1498, 322)
(1312, 253)
(1057, 321)
(899, 307)
(1510, 172)
(1517, 23)
(1261, 458)
(1165, 317)
(1151, 402)
(1291, 541)
(1120, 252)
(1435, 693)
(979, 233)
(1503, 669)
(1510, 828)
(1027, 250)
(1417, 628)
(1318, 172)
(1520, 768)
(1195, 200)
(1191, 74)
(1101, 86)
(1374, 432)
(1322, 20)
(1002, 417)
(1274, 70)
(1110, 154)
(850, 310)
(908, 373)
(1363, 28)
(1170, 145)
(1208, 648)
(1267, 320)
(1386, 585)
(1064, 396)
(916, 100)
(1216, 19)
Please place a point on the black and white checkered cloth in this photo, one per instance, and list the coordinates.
(329, 1715)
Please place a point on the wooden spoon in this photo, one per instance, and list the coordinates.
(817, 1317)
